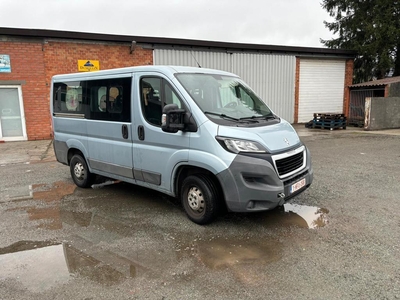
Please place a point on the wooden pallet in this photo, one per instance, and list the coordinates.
(327, 121)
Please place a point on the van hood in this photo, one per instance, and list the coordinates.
(276, 137)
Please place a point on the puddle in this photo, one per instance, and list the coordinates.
(48, 215)
(223, 253)
(314, 217)
(53, 192)
(46, 192)
(37, 269)
(40, 266)
(302, 216)
(50, 212)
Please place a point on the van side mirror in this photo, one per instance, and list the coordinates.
(172, 119)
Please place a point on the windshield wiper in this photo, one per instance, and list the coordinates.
(266, 117)
(221, 115)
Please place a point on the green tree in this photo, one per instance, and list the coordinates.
(370, 27)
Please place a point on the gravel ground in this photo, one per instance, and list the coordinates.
(338, 240)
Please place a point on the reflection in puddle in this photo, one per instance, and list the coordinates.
(36, 269)
(49, 215)
(221, 253)
(314, 216)
(296, 215)
(44, 192)
(53, 192)
(39, 266)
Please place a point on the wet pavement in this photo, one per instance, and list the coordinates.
(338, 240)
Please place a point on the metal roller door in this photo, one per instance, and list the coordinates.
(321, 87)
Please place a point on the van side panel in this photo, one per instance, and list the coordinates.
(206, 152)
(69, 133)
(108, 150)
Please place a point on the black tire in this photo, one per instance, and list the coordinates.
(199, 197)
(80, 172)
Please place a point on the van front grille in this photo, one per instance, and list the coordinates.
(289, 164)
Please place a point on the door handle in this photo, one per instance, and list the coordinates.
(140, 132)
(125, 132)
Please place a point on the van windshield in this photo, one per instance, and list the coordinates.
(224, 96)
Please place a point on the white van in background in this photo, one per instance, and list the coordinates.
(198, 134)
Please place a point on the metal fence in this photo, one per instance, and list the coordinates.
(357, 106)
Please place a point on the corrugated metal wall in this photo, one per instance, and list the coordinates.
(321, 87)
(271, 76)
(176, 57)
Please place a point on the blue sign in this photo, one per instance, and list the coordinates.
(5, 65)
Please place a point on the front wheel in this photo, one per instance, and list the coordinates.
(80, 172)
(199, 197)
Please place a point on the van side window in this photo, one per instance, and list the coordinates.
(155, 94)
(69, 97)
(171, 97)
(110, 99)
(150, 100)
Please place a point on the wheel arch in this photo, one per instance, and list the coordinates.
(76, 147)
(72, 152)
(186, 170)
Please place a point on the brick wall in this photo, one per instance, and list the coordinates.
(348, 80)
(34, 62)
(27, 66)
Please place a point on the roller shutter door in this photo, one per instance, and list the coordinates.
(321, 87)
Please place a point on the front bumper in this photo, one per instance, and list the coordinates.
(251, 183)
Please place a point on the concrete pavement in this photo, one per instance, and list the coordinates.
(26, 152)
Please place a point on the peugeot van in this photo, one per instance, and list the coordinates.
(197, 134)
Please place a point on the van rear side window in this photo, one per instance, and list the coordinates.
(107, 99)
(110, 99)
(69, 98)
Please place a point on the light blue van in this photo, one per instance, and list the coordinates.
(198, 134)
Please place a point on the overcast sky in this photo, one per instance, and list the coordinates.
(271, 22)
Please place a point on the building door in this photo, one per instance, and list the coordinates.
(12, 117)
(321, 87)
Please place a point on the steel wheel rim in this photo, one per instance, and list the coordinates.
(196, 200)
(79, 171)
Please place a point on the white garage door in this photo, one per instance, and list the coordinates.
(321, 88)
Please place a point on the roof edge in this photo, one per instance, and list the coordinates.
(46, 33)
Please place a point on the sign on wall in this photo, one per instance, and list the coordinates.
(88, 65)
(5, 65)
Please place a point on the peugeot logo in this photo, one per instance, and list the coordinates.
(287, 141)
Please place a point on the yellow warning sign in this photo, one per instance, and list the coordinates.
(88, 65)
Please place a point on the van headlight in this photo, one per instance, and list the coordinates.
(237, 146)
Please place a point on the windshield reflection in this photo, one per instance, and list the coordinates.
(224, 97)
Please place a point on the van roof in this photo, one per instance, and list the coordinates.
(166, 70)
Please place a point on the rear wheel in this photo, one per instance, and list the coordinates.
(199, 197)
(80, 172)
